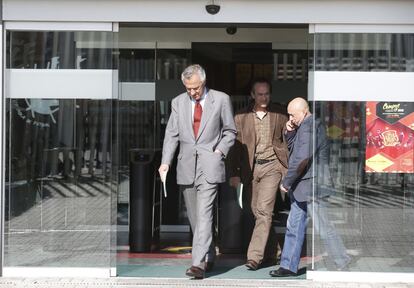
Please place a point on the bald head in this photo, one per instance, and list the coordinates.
(299, 104)
(298, 109)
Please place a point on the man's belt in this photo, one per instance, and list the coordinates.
(263, 161)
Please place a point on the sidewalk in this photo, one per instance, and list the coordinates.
(206, 283)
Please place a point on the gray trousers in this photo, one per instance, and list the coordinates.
(199, 200)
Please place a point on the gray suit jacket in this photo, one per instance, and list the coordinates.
(302, 155)
(217, 131)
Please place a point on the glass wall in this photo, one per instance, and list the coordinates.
(363, 205)
(60, 162)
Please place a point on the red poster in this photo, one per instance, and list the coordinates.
(389, 137)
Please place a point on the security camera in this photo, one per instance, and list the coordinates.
(212, 9)
(231, 30)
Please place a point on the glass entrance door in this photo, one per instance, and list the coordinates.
(362, 91)
(151, 62)
(60, 161)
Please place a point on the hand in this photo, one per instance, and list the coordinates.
(234, 181)
(290, 126)
(163, 171)
(282, 188)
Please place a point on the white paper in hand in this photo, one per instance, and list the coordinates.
(240, 195)
(163, 176)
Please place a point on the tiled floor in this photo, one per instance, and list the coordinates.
(69, 225)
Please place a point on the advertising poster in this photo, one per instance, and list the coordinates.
(389, 137)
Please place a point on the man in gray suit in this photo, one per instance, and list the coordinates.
(202, 123)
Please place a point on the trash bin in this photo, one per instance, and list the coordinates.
(143, 168)
(20, 196)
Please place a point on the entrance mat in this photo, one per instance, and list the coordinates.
(177, 270)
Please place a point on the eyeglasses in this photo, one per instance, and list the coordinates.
(195, 89)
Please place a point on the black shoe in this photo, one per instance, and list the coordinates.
(195, 272)
(282, 272)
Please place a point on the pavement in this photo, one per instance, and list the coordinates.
(120, 282)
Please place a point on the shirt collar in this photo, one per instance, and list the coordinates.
(254, 110)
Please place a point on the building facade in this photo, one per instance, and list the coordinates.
(86, 95)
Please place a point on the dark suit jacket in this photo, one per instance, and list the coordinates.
(302, 155)
(241, 155)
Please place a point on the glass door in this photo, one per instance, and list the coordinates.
(60, 166)
(363, 204)
(151, 62)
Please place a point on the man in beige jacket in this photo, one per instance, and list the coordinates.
(259, 160)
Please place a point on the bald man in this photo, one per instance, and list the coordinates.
(298, 183)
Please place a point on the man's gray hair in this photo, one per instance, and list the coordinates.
(191, 70)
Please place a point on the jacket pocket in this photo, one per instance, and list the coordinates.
(213, 166)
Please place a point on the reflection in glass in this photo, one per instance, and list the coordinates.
(370, 213)
(171, 62)
(59, 50)
(60, 168)
(364, 52)
(136, 65)
(58, 191)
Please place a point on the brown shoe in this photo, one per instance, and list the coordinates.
(252, 265)
(208, 266)
(195, 272)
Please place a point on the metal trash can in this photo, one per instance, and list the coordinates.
(143, 168)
